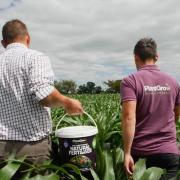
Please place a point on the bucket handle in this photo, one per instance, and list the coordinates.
(84, 112)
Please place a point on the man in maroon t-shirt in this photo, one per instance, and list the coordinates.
(150, 105)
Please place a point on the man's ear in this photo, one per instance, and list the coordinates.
(136, 58)
(157, 57)
(28, 40)
(137, 61)
(4, 43)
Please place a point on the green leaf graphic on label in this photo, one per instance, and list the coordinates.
(81, 161)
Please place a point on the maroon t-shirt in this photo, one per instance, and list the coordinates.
(156, 94)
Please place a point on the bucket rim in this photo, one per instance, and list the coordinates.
(79, 132)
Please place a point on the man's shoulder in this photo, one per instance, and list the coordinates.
(129, 80)
(34, 53)
(169, 77)
(130, 77)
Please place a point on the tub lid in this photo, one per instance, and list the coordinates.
(76, 131)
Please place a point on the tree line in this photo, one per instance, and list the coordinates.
(71, 87)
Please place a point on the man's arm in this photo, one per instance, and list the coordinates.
(41, 88)
(128, 128)
(177, 112)
(56, 99)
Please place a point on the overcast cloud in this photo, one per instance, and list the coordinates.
(93, 40)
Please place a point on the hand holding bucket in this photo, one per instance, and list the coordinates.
(76, 144)
(73, 107)
(84, 112)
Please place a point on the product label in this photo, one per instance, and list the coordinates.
(80, 149)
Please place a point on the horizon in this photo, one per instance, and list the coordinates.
(94, 40)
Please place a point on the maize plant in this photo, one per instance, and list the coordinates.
(106, 111)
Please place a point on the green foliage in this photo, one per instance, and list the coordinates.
(82, 89)
(89, 88)
(37, 172)
(113, 86)
(141, 173)
(66, 86)
(8, 171)
(40, 177)
(139, 169)
(105, 109)
(70, 87)
(94, 175)
(178, 131)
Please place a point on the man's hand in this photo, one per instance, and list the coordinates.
(128, 164)
(73, 107)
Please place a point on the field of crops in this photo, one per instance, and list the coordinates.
(105, 109)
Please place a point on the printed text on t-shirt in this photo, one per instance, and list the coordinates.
(157, 89)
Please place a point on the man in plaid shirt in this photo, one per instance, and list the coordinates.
(26, 96)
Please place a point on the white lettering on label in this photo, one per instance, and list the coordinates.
(80, 149)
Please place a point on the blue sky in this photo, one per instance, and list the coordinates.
(93, 40)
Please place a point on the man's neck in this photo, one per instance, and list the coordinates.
(148, 62)
(21, 42)
(5, 44)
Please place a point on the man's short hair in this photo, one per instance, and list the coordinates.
(146, 48)
(14, 29)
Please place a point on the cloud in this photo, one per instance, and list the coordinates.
(93, 40)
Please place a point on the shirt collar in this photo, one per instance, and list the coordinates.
(15, 45)
(149, 67)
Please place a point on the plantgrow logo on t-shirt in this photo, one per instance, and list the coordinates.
(157, 88)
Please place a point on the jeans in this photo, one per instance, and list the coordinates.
(169, 162)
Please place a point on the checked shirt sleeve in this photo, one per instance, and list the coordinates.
(41, 77)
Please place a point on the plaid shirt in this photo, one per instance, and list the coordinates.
(1, 50)
(26, 77)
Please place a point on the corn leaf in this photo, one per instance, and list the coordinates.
(152, 174)
(8, 171)
(140, 168)
(94, 175)
(49, 177)
(109, 170)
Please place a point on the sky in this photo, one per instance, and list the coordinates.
(93, 40)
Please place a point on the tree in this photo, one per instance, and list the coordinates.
(113, 86)
(90, 87)
(82, 89)
(57, 85)
(66, 86)
(97, 90)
